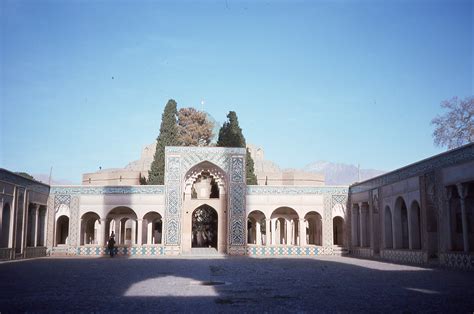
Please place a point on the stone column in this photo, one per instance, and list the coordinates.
(101, 232)
(449, 236)
(149, 233)
(140, 231)
(134, 231)
(267, 232)
(118, 227)
(274, 231)
(462, 191)
(361, 226)
(258, 233)
(288, 232)
(35, 232)
(302, 232)
(355, 226)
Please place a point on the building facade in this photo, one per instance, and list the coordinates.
(421, 213)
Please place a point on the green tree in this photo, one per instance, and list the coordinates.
(168, 137)
(230, 135)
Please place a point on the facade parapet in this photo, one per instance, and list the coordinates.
(101, 190)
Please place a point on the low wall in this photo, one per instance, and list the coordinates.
(457, 260)
(405, 256)
(31, 252)
(362, 252)
(254, 250)
(6, 253)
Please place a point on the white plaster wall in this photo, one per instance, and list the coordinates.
(409, 189)
(302, 204)
(141, 204)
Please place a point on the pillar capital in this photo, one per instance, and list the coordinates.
(448, 192)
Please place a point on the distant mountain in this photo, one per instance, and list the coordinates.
(341, 174)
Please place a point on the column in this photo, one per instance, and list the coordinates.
(268, 232)
(140, 233)
(118, 227)
(273, 228)
(134, 231)
(449, 195)
(35, 232)
(288, 232)
(293, 237)
(361, 226)
(302, 232)
(462, 191)
(149, 233)
(101, 232)
(258, 233)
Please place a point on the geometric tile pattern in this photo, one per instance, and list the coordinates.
(287, 251)
(457, 260)
(172, 200)
(121, 251)
(237, 232)
(405, 256)
(100, 190)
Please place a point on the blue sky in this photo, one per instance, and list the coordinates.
(84, 83)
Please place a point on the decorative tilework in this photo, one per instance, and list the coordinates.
(405, 256)
(100, 190)
(286, 250)
(238, 173)
(74, 221)
(236, 206)
(61, 199)
(457, 260)
(295, 190)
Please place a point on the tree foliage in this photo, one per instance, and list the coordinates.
(168, 137)
(194, 128)
(456, 126)
(230, 135)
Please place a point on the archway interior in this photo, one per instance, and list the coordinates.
(62, 231)
(256, 230)
(314, 229)
(152, 228)
(124, 226)
(388, 228)
(284, 227)
(5, 226)
(90, 228)
(401, 224)
(338, 231)
(205, 187)
(204, 227)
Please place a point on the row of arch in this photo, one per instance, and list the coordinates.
(284, 227)
(35, 227)
(402, 226)
(120, 221)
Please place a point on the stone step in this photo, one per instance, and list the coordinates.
(203, 251)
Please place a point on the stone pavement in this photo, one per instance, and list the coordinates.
(230, 284)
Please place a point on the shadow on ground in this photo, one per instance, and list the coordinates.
(237, 284)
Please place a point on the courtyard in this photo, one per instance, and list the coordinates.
(230, 284)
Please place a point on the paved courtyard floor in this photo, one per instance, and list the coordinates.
(233, 284)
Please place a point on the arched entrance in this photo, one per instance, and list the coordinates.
(204, 227)
(338, 231)
(62, 230)
(5, 226)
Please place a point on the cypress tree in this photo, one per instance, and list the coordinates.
(230, 135)
(168, 137)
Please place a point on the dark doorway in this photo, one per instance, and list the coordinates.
(204, 227)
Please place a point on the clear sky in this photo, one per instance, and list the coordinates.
(84, 83)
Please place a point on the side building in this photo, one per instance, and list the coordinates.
(420, 213)
(23, 217)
